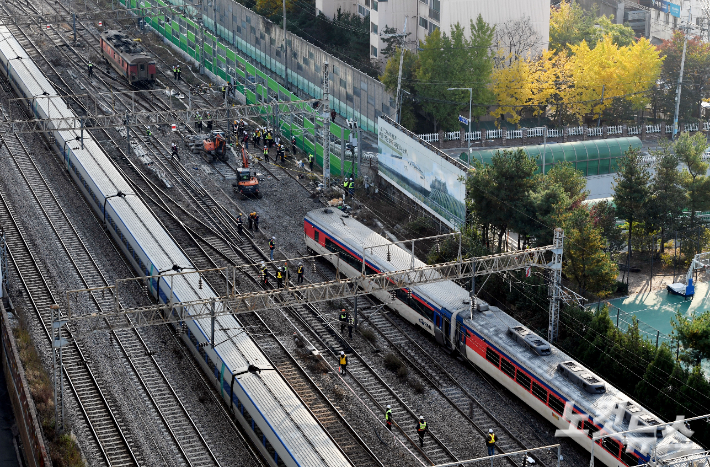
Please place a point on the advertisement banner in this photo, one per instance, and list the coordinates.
(430, 177)
(666, 7)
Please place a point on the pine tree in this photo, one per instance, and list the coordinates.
(584, 258)
(631, 191)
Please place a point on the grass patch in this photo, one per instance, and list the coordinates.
(369, 335)
(63, 449)
(395, 365)
(416, 385)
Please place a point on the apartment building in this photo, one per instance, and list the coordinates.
(424, 16)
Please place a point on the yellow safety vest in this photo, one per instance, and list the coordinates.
(343, 359)
(278, 275)
(422, 426)
(388, 415)
(491, 439)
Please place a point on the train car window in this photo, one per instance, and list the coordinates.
(523, 379)
(316, 236)
(492, 356)
(539, 391)
(591, 429)
(611, 445)
(556, 404)
(628, 458)
(508, 368)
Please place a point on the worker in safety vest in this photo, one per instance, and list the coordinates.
(280, 277)
(239, 224)
(351, 187)
(343, 363)
(310, 161)
(351, 323)
(91, 69)
(272, 247)
(491, 442)
(266, 154)
(388, 417)
(264, 274)
(300, 273)
(421, 430)
(174, 72)
(343, 318)
(179, 72)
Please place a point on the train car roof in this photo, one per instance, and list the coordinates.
(129, 49)
(492, 325)
(289, 418)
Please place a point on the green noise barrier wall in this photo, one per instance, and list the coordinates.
(220, 57)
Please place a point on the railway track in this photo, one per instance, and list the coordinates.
(108, 429)
(189, 445)
(188, 442)
(455, 393)
(468, 405)
(316, 328)
(327, 414)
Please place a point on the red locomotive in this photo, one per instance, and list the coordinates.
(127, 57)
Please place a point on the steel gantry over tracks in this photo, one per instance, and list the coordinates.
(163, 117)
(231, 302)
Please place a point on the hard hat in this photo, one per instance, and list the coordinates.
(490, 430)
(343, 309)
(421, 417)
(342, 353)
(262, 264)
(300, 264)
(389, 406)
(273, 238)
(351, 179)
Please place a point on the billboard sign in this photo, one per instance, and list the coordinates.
(430, 177)
(666, 7)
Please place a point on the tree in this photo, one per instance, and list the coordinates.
(631, 190)
(516, 39)
(455, 61)
(603, 215)
(496, 191)
(696, 75)
(584, 259)
(657, 387)
(668, 196)
(393, 43)
(570, 25)
(694, 333)
(694, 180)
(620, 72)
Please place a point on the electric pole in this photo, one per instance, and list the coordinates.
(680, 76)
(285, 50)
(326, 127)
(403, 35)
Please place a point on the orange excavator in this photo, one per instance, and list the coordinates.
(216, 146)
(247, 183)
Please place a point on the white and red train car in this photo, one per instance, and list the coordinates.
(127, 57)
(560, 389)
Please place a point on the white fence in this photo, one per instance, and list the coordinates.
(539, 132)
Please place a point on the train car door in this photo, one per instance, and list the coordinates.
(442, 330)
(438, 333)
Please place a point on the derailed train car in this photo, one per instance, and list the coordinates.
(560, 389)
(127, 57)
